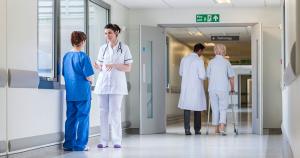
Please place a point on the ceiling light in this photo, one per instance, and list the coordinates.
(209, 44)
(198, 34)
(223, 1)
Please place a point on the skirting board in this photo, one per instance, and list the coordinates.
(287, 150)
(35, 141)
(2, 146)
(29, 142)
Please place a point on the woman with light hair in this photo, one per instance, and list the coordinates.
(219, 73)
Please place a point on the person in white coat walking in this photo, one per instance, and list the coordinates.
(219, 73)
(113, 61)
(192, 96)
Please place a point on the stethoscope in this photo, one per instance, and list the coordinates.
(119, 49)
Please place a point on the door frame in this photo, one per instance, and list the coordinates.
(259, 65)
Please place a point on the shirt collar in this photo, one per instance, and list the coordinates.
(195, 54)
(116, 46)
(219, 56)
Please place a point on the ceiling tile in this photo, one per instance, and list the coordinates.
(273, 3)
(248, 3)
(142, 4)
(189, 3)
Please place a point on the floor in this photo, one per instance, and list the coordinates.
(174, 144)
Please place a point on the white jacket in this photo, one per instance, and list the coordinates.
(192, 71)
(114, 81)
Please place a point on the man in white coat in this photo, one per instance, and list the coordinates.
(192, 96)
(219, 73)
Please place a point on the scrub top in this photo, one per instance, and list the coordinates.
(219, 71)
(76, 68)
(114, 81)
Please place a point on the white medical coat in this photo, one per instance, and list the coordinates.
(114, 81)
(192, 71)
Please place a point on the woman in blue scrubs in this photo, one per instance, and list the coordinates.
(77, 71)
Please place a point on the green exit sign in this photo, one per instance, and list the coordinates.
(208, 18)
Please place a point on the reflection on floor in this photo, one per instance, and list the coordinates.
(175, 144)
(243, 121)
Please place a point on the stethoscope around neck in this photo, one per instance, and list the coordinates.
(119, 49)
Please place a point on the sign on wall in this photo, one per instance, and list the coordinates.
(208, 18)
(225, 38)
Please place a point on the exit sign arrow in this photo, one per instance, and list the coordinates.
(207, 17)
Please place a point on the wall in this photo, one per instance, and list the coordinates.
(267, 16)
(36, 112)
(3, 68)
(272, 78)
(290, 93)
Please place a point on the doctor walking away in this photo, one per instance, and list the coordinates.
(192, 96)
(219, 73)
(77, 71)
(114, 59)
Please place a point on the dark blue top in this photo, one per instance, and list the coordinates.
(76, 68)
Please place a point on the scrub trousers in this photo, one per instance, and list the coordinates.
(110, 114)
(77, 125)
(219, 106)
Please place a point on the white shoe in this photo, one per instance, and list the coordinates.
(223, 133)
(86, 148)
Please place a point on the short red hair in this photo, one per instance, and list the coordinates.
(77, 37)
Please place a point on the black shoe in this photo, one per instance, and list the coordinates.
(197, 133)
(188, 132)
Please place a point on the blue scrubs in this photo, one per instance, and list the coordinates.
(76, 68)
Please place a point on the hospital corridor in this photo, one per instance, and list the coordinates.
(149, 78)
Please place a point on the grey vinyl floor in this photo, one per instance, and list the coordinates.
(174, 144)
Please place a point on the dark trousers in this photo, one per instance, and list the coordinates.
(197, 120)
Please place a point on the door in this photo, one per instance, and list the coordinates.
(256, 48)
(152, 80)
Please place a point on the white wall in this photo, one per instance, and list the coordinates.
(22, 34)
(3, 67)
(40, 109)
(269, 17)
(291, 108)
(272, 109)
(34, 112)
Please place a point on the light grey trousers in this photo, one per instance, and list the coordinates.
(219, 106)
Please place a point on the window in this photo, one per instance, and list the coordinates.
(46, 38)
(98, 18)
(57, 19)
(71, 19)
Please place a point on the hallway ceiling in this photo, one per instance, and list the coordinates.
(143, 4)
(236, 49)
(189, 36)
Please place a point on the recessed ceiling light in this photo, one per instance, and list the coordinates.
(198, 34)
(209, 44)
(223, 1)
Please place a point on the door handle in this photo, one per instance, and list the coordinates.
(144, 73)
